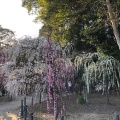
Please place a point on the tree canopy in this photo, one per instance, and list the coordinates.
(4, 33)
(79, 21)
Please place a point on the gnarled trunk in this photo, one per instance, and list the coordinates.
(113, 22)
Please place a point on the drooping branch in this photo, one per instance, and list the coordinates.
(106, 68)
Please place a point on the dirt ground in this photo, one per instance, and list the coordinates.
(96, 109)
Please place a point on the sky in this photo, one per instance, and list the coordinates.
(14, 17)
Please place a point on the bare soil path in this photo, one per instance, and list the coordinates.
(9, 109)
(96, 109)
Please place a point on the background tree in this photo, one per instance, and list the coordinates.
(6, 40)
(4, 33)
(78, 21)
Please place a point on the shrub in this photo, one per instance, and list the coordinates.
(80, 100)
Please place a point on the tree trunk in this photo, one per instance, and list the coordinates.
(113, 20)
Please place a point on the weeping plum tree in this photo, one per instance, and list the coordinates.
(6, 40)
(102, 72)
(37, 61)
(59, 72)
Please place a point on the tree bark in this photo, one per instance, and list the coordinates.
(113, 22)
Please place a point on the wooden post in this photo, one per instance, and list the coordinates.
(25, 115)
(61, 117)
(40, 98)
(21, 114)
(117, 117)
(31, 116)
(24, 103)
(32, 101)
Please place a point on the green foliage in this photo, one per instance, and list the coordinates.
(80, 21)
(45, 30)
(80, 100)
(105, 45)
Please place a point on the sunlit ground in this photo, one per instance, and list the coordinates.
(9, 116)
(44, 116)
(1, 118)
